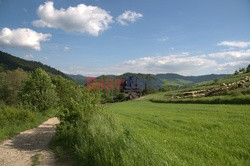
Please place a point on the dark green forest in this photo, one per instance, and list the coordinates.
(10, 62)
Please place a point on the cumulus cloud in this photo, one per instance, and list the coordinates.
(22, 38)
(128, 16)
(240, 44)
(82, 18)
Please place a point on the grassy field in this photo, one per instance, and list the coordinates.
(177, 83)
(189, 134)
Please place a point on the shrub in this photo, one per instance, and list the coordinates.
(15, 120)
(94, 137)
(121, 97)
(227, 92)
(81, 108)
(11, 83)
(215, 81)
(235, 93)
(246, 92)
(2, 104)
(248, 69)
(38, 92)
(13, 116)
(66, 89)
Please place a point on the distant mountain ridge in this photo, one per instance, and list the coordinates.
(78, 78)
(169, 78)
(10, 62)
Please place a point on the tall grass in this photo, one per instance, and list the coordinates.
(101, 142)
(14, 120)
(190, 134)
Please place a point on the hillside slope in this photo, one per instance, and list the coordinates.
(169, 79)
(234, 89)
(78, 78)
(10, 62)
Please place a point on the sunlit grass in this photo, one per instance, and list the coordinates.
(15, 120)
(190, 134)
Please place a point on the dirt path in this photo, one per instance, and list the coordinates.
(29, 147)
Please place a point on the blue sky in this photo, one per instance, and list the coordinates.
(95, 37)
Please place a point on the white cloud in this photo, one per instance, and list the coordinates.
(82, 18)
(172, 63)
(128, 16)
(232, 66)
(184, 63)
(240, 44)
(233, 55)
(29, 57)
(22, 38)
(162, 64)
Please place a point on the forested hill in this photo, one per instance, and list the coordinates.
(78, 78)
(170, 79)
(10, 62)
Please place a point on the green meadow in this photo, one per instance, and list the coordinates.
(189, 134)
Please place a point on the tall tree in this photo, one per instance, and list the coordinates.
(39, 92)
(11, 83)
(248, 69)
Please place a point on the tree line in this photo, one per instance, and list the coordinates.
(37, 90)
(242, 70)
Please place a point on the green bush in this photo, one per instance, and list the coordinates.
(15, 120)
(246, 92)
(121, 97)
(11, 83)
(66, 89)
(2, 104)
(227, 92)
(81, 108)
(13, 116)
(38, 92)
(236, 93)
(94, 137)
